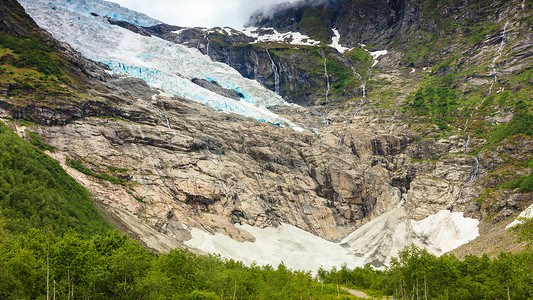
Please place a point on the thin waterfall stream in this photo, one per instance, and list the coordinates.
(327, 76)
(495, 75)
(276, 73)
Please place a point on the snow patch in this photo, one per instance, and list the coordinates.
(291, 38)
(335, 42)
(446, 230)
(382, 238)
(229, 31)
(376, 54)
(526, 214)
(375, 242)
(179, 31)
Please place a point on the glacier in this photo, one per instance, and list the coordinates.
(105, 9)
(164, 65)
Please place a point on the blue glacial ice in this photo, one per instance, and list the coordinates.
(162, 64)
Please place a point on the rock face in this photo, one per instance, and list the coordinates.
(296, 72)
(209, 165)
(212, 171)
(174, 167)
(14, 20)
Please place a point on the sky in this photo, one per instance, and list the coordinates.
(199, 13)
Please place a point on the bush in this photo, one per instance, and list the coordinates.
(524, 183)
(522, 123)
(78, 165)
(201, 295)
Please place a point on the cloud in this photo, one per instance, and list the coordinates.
(201, 13)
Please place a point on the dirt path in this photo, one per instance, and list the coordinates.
(359, 294)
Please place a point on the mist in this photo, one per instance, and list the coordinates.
(200, 13)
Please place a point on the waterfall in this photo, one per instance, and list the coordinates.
(207, 46)
(473, 175)
(276, 74)
(206, 37)
(228, 53)
(375, 55)
(233, 42)
(363, 86)
(467, 141)
(363, 95)
(327, 76)
(255, 59)
(493, 64)
(466, 128)
(494, 80)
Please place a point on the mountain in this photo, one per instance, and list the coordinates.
(401, 136)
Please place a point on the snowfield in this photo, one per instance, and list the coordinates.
(375, 242)
(163, 65)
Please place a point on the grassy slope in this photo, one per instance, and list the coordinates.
(35, 192)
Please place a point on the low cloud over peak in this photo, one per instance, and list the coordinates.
(200, 13)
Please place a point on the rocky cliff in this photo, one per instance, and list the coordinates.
(407, 135)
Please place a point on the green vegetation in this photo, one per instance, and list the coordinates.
(30, 68)
(111, 266)
(524, 183)
(437, 101)
(521, 124)
(78, 165)
(30, 52)
(417, 274)
(524, 231)
(313, 24)
(344, 83)
(448, 43)
(35, 140)
(35, 192)
(117, 170)
(361, 60)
